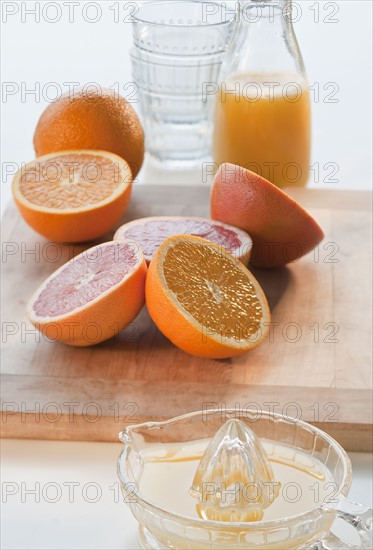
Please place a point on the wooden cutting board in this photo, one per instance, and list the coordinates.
(316, 364)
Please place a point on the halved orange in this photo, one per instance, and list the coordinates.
(205, 300)
(73, 196)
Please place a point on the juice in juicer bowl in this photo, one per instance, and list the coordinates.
(161, 528)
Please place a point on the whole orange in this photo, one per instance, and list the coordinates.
(88, 120)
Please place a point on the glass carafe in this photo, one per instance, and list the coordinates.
(262, 112)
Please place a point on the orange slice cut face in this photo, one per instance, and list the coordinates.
(73, 196)
(204, 300)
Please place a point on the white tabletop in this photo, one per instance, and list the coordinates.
(46, 471)
(335, 39)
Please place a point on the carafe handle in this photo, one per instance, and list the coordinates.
(357, 515)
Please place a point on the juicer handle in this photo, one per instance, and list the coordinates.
(357, 515)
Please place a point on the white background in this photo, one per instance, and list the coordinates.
(35, 53)
(42, 55)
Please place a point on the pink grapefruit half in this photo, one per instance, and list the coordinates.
(281, 230)
(92, 297)
(150, 233)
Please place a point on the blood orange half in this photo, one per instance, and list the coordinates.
(150, 233)
(92, 297)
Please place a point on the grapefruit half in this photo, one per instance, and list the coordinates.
(92, 297)
(281, 230)
(150, 233)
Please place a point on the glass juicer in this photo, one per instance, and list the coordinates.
(213, 480)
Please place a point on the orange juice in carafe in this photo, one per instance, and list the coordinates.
(262, 123)
(262, 104)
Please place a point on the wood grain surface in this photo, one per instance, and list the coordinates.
(316, 364)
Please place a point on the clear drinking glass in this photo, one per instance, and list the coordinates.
(161, 529)
(178, 46)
